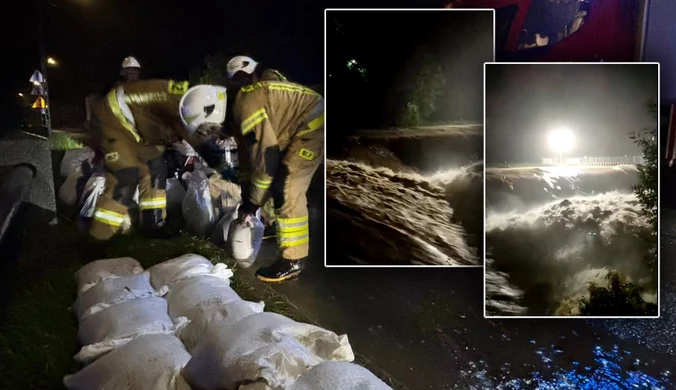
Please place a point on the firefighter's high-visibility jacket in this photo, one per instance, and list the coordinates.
(272, 75)
(281, 126)
(135, 121)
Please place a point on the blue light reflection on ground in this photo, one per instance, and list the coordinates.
(607, 373)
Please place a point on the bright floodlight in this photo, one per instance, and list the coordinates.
(561, 141)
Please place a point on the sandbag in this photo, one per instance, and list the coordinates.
(94, 188)
(222, 229)
(150, 362)
(121, 323)
(73, 159)
(100, 270)
(266, 347)
(188, 296)
(219, 316)
(339, 375)
(245, 241)
(111, 292)
(68, 194)
(179, 268)
(198, 210)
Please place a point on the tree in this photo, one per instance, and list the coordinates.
(646, 189)
(414, 94)
(620, 297)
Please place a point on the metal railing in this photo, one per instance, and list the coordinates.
(594, 161)
(13, 191)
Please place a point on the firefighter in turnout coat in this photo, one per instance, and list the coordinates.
(281, 128)
(133, 124)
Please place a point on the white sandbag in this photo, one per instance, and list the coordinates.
(188, 296)
(339, 375)
(121, 323)
(262, 347)
(222, 229)
(179, 268)
(71, 164)
(112, 292)
(218, 316)
(150, 362)
(246, 240)
(100, 270)
(68, 191)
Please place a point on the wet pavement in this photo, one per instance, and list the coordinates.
(425, 328)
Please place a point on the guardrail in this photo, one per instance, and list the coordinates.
(594, 161)
(13, 191)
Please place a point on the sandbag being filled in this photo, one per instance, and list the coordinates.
(265, 346)
(246, 240)
(150, 362)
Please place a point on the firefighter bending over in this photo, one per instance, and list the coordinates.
(281, 127)
(135, 122)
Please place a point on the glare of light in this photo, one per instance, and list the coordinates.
(51, 61)
(20, 94)
(561, 141)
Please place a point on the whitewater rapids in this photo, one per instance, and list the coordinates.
(379, 216)
(541, 259)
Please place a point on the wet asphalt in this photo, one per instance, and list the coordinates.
(424, 327)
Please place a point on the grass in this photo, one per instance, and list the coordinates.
(63, 142)
(39, 337)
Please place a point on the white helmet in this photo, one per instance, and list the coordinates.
(203, 104)
(241, 64)
(130, 62)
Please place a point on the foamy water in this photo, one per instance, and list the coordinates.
(552, 252)
(397, 218)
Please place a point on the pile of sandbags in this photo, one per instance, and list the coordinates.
(76, 166)
(179, 325)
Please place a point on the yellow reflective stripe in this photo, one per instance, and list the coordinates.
(281, 76)
(295, 229)
(295, 242)
(291, 221)
(313, 125)
(117, 111)
(153, 203)
(108, 217)
(263, 184)
(279, 86)
(294, 235)
(254, 120)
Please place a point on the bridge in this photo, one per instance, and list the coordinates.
(594, 161)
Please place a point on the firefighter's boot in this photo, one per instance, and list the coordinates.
(280, 271)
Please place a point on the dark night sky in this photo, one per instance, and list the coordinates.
(601, 104)
(386, 42)
(91, 37)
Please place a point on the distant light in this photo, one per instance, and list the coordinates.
(561, 141)
(51, 61)
(351, 64)
(20, 94)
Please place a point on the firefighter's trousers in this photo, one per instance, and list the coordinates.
(129, 164)
(289, 193)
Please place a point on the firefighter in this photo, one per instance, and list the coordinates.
(135, 122)
(281, 128)
(243, 70)
(130, 70)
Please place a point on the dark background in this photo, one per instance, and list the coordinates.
(385, 43)
(90, 38)
(601, 104)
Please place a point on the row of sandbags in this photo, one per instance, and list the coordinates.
(179, 325)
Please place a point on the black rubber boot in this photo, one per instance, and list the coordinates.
(280, 271)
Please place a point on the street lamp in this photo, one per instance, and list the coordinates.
(561, 141)
(51, 61)
(20, 94)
